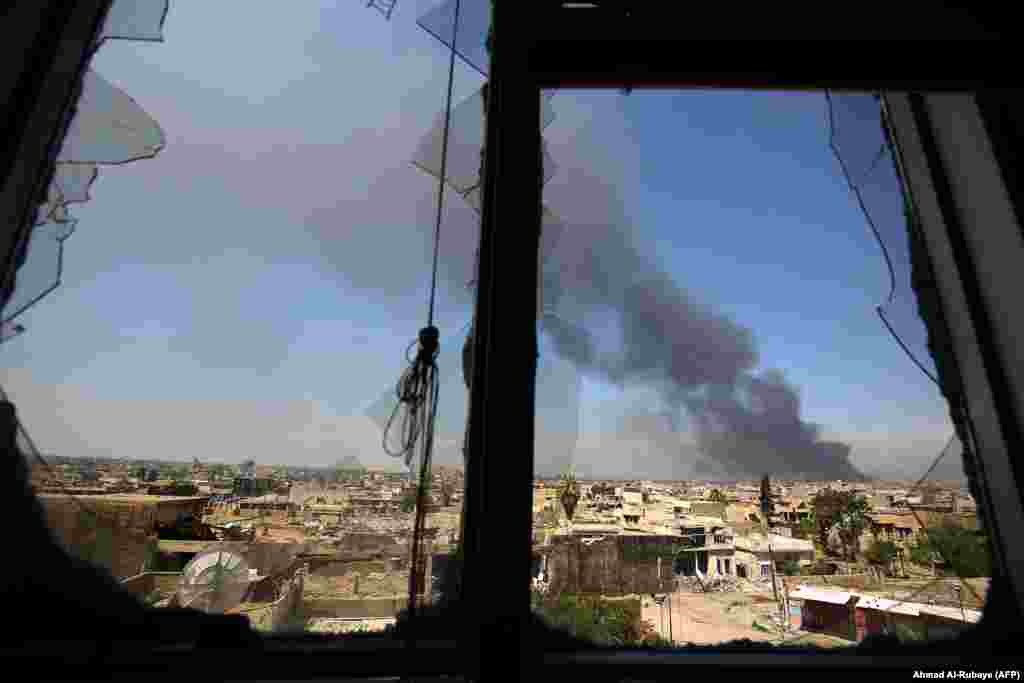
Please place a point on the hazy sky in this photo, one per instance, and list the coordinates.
(252, 290)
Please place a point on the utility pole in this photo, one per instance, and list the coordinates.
(670, 619)
(771, 562)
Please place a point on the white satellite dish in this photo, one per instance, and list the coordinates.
(216, 580)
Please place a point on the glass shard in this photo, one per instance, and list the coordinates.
(471, 40)
(135, 20)
(109, 127)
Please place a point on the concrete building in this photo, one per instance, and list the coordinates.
(120, 532)
(756, 552)
(707, 548)
(854, 616)
(825, 611)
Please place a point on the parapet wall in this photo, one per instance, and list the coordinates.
(605, 566)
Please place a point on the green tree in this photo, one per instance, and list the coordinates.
(827, 505)
(568, 492)
(851, 523)
(592, 618)
(408, 502)
(717, 496)
(791, 568)
(881, 552)
(807, 526)
(348, 469)
(965, 552)
(920, 553)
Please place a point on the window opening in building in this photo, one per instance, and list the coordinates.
(707, 301)
(268, 304)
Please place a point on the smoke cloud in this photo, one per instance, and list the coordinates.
(603, 287)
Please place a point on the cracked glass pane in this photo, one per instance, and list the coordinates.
(73, 180)
(701, 231)
(109, 127)
(465, 144)
(135, 20)
(40, 274)
(474, 23)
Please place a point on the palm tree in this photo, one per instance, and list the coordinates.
(851, 523)
(445, 488)
(569, 492)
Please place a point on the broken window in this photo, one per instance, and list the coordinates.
(687, 266)
(620, 327)
(271, 238)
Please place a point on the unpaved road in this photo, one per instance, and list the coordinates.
(707, 619)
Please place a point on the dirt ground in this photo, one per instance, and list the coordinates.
(711, 618)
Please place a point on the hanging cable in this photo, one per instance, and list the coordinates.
(444, 163)
(418, 387)
(855, 188)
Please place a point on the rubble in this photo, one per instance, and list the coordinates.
(714, 584)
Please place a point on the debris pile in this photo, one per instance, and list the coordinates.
(713, 584)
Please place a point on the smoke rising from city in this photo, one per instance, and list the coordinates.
(745, 422)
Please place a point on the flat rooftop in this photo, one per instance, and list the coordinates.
(127, 498)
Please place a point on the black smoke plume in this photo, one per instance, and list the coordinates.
(702, 362)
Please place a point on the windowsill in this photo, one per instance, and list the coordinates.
(309, 656)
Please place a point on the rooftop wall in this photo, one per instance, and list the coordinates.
(115, 536)
(283, 612)
(604, 566)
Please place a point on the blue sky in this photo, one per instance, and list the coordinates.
(251, 290)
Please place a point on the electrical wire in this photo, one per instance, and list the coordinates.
(417, 389)
(444, 163)
(855, 189)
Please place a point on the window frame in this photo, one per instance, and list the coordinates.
(599, 48)
(547, 46)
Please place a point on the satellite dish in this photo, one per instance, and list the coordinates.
(214, 581)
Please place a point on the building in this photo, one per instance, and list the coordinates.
(120, 531)
(825, 611)
(707, 548)
(252, 486)
(854, 616)
(271, 501)
(755, 554)
(792, 510)
(908, 527)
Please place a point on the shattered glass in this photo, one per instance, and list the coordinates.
(858, 141)
(471, 40)
(41, 272)
(465, 144)
(108, 127)
(133, 20)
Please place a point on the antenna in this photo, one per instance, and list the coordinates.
(214, 581)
